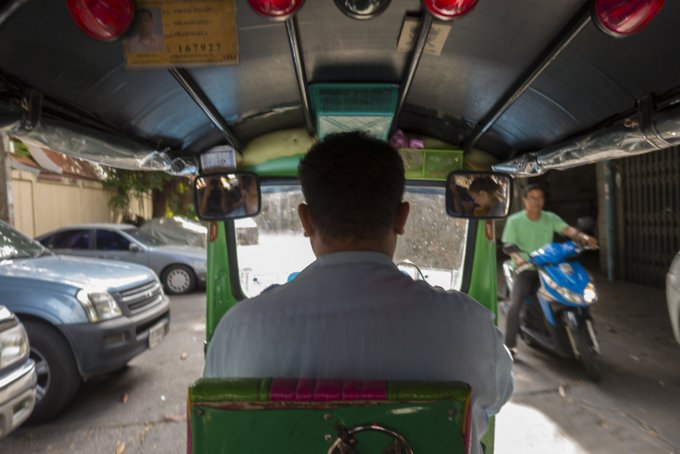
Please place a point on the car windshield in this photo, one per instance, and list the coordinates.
(144, 238)
(14, 245)
(272, 248)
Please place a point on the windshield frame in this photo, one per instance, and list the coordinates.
(232, 252)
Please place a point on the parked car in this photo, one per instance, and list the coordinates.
(180, 268)
(83, 316)
(17, 374)
(177, 230)
(673, 295)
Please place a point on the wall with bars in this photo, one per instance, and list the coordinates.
(649, 226)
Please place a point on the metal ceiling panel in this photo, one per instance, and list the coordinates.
(596, 77)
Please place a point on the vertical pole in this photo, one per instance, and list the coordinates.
(610, 213)
(6, 205)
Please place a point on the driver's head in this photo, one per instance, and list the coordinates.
(353, 185)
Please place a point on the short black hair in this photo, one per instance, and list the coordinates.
(353, 184)
(144, 11)
(531, 187)
(484, 183)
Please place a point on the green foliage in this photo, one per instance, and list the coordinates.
(20, 149)
(130, 183)
(181, 201)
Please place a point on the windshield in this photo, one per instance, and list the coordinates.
(143, 237)
(14, 245)
(272, 248)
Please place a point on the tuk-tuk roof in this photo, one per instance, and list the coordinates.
(592, 79)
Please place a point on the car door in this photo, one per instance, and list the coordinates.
(71, 242)
(112, 245)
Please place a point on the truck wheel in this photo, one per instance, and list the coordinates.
(587, 353)
(178, 279)
(58, 377)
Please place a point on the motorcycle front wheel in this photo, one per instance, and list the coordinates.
(587, 353)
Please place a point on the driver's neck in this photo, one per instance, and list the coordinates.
(384, 246)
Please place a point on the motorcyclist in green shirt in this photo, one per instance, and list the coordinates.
(530, 230)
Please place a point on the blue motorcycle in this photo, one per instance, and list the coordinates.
(556, 316)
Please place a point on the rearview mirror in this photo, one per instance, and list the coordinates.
(478, 195)
(232, 195)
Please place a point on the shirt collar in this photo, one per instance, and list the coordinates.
(350, 257)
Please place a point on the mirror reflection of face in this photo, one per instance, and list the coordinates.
(482, 198)
(478, 195)
(249, 193)
(227, 196)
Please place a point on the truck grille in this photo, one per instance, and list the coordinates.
(138, 298)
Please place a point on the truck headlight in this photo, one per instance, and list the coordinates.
(590, 294)
(13, 345)
(98, 305)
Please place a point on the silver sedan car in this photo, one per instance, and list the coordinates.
(180, 268)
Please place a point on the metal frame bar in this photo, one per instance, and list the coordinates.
(549, 54)
(196, 93)
(407, 79)
(9, 9)
(293, 33)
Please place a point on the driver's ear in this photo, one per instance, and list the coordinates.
(306, 219)
(402, 216)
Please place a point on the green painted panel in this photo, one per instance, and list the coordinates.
(278, 167)
(483, 289)
(235, 416)
(429, 427)
(483, 277)
(228, 389)
(218, 294)
(430, 164)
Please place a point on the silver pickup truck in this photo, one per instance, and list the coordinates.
(17, 374)
(83, 316)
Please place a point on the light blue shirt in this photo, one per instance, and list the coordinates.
(355, 315)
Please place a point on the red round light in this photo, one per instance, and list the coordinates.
(104, 20)
(276, 9)
(448, 9)
(625, 17)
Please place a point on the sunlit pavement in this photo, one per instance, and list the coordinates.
(634, 409)
(522, 429)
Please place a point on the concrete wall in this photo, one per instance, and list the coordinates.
(43, 204)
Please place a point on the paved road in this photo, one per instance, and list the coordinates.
(636, 407)
(141, 409)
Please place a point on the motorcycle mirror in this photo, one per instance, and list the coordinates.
(478, 195)
(232, 195)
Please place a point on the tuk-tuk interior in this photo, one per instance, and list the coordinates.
(508, 79)
(520, 85)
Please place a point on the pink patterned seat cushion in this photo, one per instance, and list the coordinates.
(325, 390)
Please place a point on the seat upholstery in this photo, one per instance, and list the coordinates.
(314, 416)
